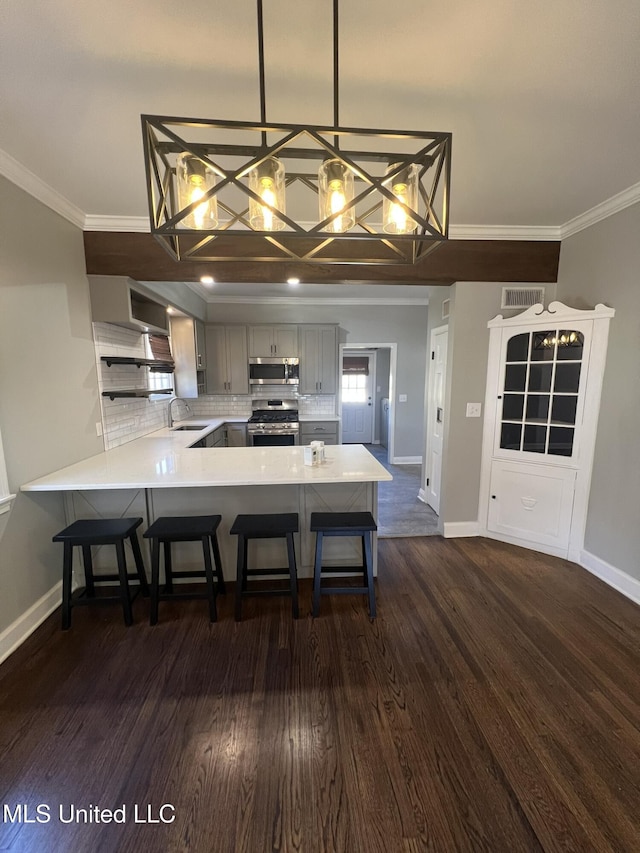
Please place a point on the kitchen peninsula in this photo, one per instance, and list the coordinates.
(163, 474)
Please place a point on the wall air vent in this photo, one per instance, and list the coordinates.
(446, 307)
(521, 297)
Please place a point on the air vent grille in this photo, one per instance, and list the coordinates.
(521, 297)
(446, 306)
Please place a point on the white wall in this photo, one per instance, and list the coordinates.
(602, 264)
(48, 385)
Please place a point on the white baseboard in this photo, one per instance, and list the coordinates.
(406, 460)
(458, 529)
(624, 583)
(18, 631)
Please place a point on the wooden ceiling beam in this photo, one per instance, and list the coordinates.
(140, 257)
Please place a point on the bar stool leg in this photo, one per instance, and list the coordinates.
(368, 558)
(293, 574)
(137, 556)
(317, 567)
(168, 573)
(155, 581)
(208, 571)
(218, 563)
(241, 579)
(124, 583)
(88, 571)
(67, 570)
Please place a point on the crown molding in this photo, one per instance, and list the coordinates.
(311, 300)
(19, 175)
(504, 232)
(95, 222)
(601, 211)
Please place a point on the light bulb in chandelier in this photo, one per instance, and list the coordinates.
(335, 191)
(194, 179)
(404, 186)
(267, 182)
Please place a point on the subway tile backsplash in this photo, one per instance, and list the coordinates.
(125, 419)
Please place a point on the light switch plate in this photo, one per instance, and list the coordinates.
(473, 410)
(402, 398)
(98, 428)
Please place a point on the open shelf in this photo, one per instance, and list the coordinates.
(159, 366)
(136, 392)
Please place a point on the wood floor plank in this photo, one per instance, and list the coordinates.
(493, 705)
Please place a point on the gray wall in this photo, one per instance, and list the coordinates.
(48, 385)
(404, 325)
(602, 264)
(473, 304)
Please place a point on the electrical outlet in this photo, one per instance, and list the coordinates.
(473, 410)
(402, 398)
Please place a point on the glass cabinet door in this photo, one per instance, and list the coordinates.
(539, 401)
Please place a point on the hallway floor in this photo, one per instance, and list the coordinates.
(400, 512)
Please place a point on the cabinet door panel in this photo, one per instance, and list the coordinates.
(285, 341)
(309, 360)
(327, 361)
(238, 359)
(531, 502)
(260, 341)
(216, 344)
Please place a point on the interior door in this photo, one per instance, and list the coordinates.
(357, 397)
(435, 416)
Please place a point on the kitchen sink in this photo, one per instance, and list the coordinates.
(189, 426)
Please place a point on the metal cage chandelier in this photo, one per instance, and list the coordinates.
(230, 190)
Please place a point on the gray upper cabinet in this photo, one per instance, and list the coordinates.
(265, 341)
(201, 346)
(319, 360)
(188, 354)
(227, 360)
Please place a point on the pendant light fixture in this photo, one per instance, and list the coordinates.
(335, 191)
(396, 213)
(359, 196)
(194, 179)
(266, 181)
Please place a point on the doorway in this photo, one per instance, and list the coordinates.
(358, 380)
(383, 383)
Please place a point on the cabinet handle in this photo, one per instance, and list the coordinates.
(320, 384)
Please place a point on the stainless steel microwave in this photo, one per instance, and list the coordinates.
(274, 371)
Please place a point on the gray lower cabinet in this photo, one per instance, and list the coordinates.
(319, 359)
(236, 435)
(227, 360)
(326, 431)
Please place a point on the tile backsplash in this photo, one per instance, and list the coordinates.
(125, 419)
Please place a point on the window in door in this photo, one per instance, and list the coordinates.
(540, 391)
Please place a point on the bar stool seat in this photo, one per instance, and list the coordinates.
(86, 532)
(193, 528)
(360, 524)
(266, 526)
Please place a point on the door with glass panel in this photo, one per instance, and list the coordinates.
(542, 393)
(357, 397)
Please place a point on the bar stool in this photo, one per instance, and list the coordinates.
(270, 526)
(100, 531)
(168, 529)
(360, 524)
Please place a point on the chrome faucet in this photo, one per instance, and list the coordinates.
(175, 399)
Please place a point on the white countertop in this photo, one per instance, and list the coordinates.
(164, 459)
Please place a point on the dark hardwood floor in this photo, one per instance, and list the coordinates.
(494, 705)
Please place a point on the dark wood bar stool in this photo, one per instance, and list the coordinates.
(360, 524)
(100, 531)
(270, 526)
(168, 529)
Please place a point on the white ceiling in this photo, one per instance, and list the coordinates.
(541, 98)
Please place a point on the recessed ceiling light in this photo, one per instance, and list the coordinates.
(207, 279)
(293, 282)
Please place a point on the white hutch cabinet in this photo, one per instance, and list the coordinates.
(544, 380)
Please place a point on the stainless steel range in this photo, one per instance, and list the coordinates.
(273, 423)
